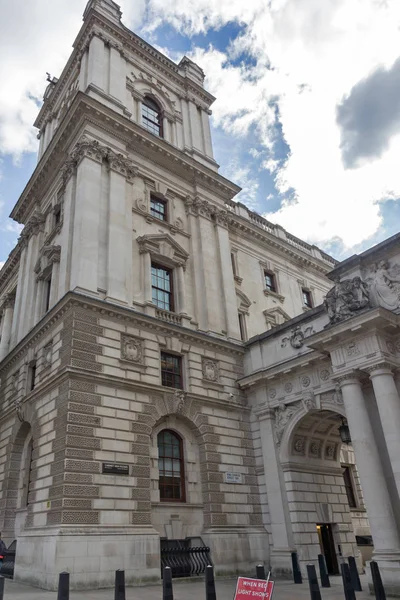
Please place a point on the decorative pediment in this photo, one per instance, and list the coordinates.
(243, 302)
(163, 247)
(275, 316)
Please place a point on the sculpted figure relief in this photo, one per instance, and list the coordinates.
(283, 414)
(385, 285)
(346, 298)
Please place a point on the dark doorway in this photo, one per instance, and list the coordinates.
(328, 547)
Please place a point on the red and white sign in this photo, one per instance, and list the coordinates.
(259, 589)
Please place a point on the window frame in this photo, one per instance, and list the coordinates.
(273, 288)
(242, 326)
(349, 487)
(182, 478)
(307, 294)
(32, 372)
(170, 293)
(155, 198)
(178, 374)
(146, 119)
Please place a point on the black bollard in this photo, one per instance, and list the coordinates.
(355, 578)
(323, 571)
(377, 581)
(210, 584)
(313, 583)
(297, 578)
(1, 587)
(119, 593)
(260, 572)
(347, 586)
(167, 591)
(63, 586)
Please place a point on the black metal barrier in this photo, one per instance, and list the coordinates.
(377, 581)
(185, 562)
(315, 593)
(297, 578)
(323, 572)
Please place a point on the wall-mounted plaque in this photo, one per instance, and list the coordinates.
(233, 478)
(115, 469)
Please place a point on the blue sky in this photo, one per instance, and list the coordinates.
(300, 120)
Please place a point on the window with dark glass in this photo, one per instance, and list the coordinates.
(348, 484)
(307, 299)
(161, 285)
(47, 292)
(242, 327)
(57, 215)
(151, 116)
(171, 467)
(158, 208)
(32, 376)
(171, 370)
(270, 283)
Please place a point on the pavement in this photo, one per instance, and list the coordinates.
(184, 590)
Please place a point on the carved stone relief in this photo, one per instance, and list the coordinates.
(297, 336)
(283, 414)
(210, 369)
(345, 299)
(47, 355)
(132, 349)
(309, 401)
(384, 285)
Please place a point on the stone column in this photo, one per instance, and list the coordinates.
(276, 495)
(95, 70)
(199, 283)
(8, 311)
(181, 290)
(205, 121)
(373, 483)
(388, 402)
(119, 243)
(228, 284)
(147, 292)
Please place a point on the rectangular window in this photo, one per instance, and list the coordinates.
(233, 261)
(31, 376)
(161, 286)
(171, 370)
(307, 299)
(47, 292)
(242, 327)
(57, 215)
(348, 484)
(158, 208)
(270, 282)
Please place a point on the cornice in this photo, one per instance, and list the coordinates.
(131, 316)
(284, 248)
(86, 110)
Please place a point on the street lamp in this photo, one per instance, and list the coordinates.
(344, 432)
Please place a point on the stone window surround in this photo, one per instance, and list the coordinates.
(305, 285)
(174, 424)
(235, 266)
(169, 120)
(267, 267)
(151, 251)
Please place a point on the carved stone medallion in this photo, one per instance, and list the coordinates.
(47, 355)
(132, 349)
(210, 369)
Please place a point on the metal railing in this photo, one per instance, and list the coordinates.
(185, 561)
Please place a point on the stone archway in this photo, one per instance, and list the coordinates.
(312, 458)
(17, 483)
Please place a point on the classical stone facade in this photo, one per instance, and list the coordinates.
(127, 309)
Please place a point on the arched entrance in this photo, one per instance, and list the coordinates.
(322, 487)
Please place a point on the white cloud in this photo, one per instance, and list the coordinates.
(307, 56)
(36, 37)
(317, 50)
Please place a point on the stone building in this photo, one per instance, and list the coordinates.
(139, 399)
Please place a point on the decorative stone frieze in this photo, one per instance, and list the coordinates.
(210, 370)
(132, 349)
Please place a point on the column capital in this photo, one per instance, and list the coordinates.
(8, 301)
(347, 378)
(264, 411)
(380, 368)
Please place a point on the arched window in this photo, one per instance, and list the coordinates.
(170, 467)
(151, 116)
